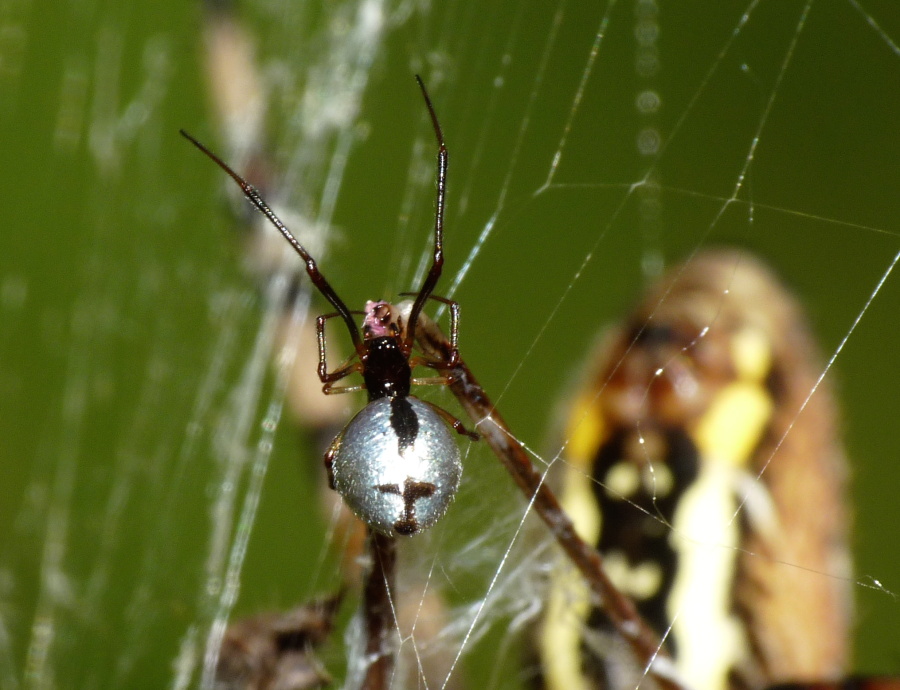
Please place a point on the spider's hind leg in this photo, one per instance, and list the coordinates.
(457, 425)
(329, 458)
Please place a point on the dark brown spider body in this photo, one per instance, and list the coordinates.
(386, 370)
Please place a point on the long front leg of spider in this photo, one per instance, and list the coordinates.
(437, 264)
(312, 268)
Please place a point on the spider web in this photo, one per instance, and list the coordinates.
(153, 489)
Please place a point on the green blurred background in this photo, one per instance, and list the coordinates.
(126, 322)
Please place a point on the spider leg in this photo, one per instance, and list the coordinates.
(453, 421)
(329, 389)
(438, 364)
(350, 366)
(438, 263)
(454, 324)
(329, 458)
(431, 381)
(312, 269)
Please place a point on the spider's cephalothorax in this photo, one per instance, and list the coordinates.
(396, 463)
(387, 372)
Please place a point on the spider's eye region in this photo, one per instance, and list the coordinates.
(397, 466)
(380, 320)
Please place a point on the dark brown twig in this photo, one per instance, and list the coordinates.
(643, 641)
(378, 612)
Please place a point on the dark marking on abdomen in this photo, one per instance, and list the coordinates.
(404, 422)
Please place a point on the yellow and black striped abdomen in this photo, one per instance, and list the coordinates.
(702, 460)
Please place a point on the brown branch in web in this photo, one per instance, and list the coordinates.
(379, 613)
(643, 641)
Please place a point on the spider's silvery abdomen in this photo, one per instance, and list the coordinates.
(397, 465)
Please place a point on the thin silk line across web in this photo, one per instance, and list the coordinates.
(739, 187)
(64, 590)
